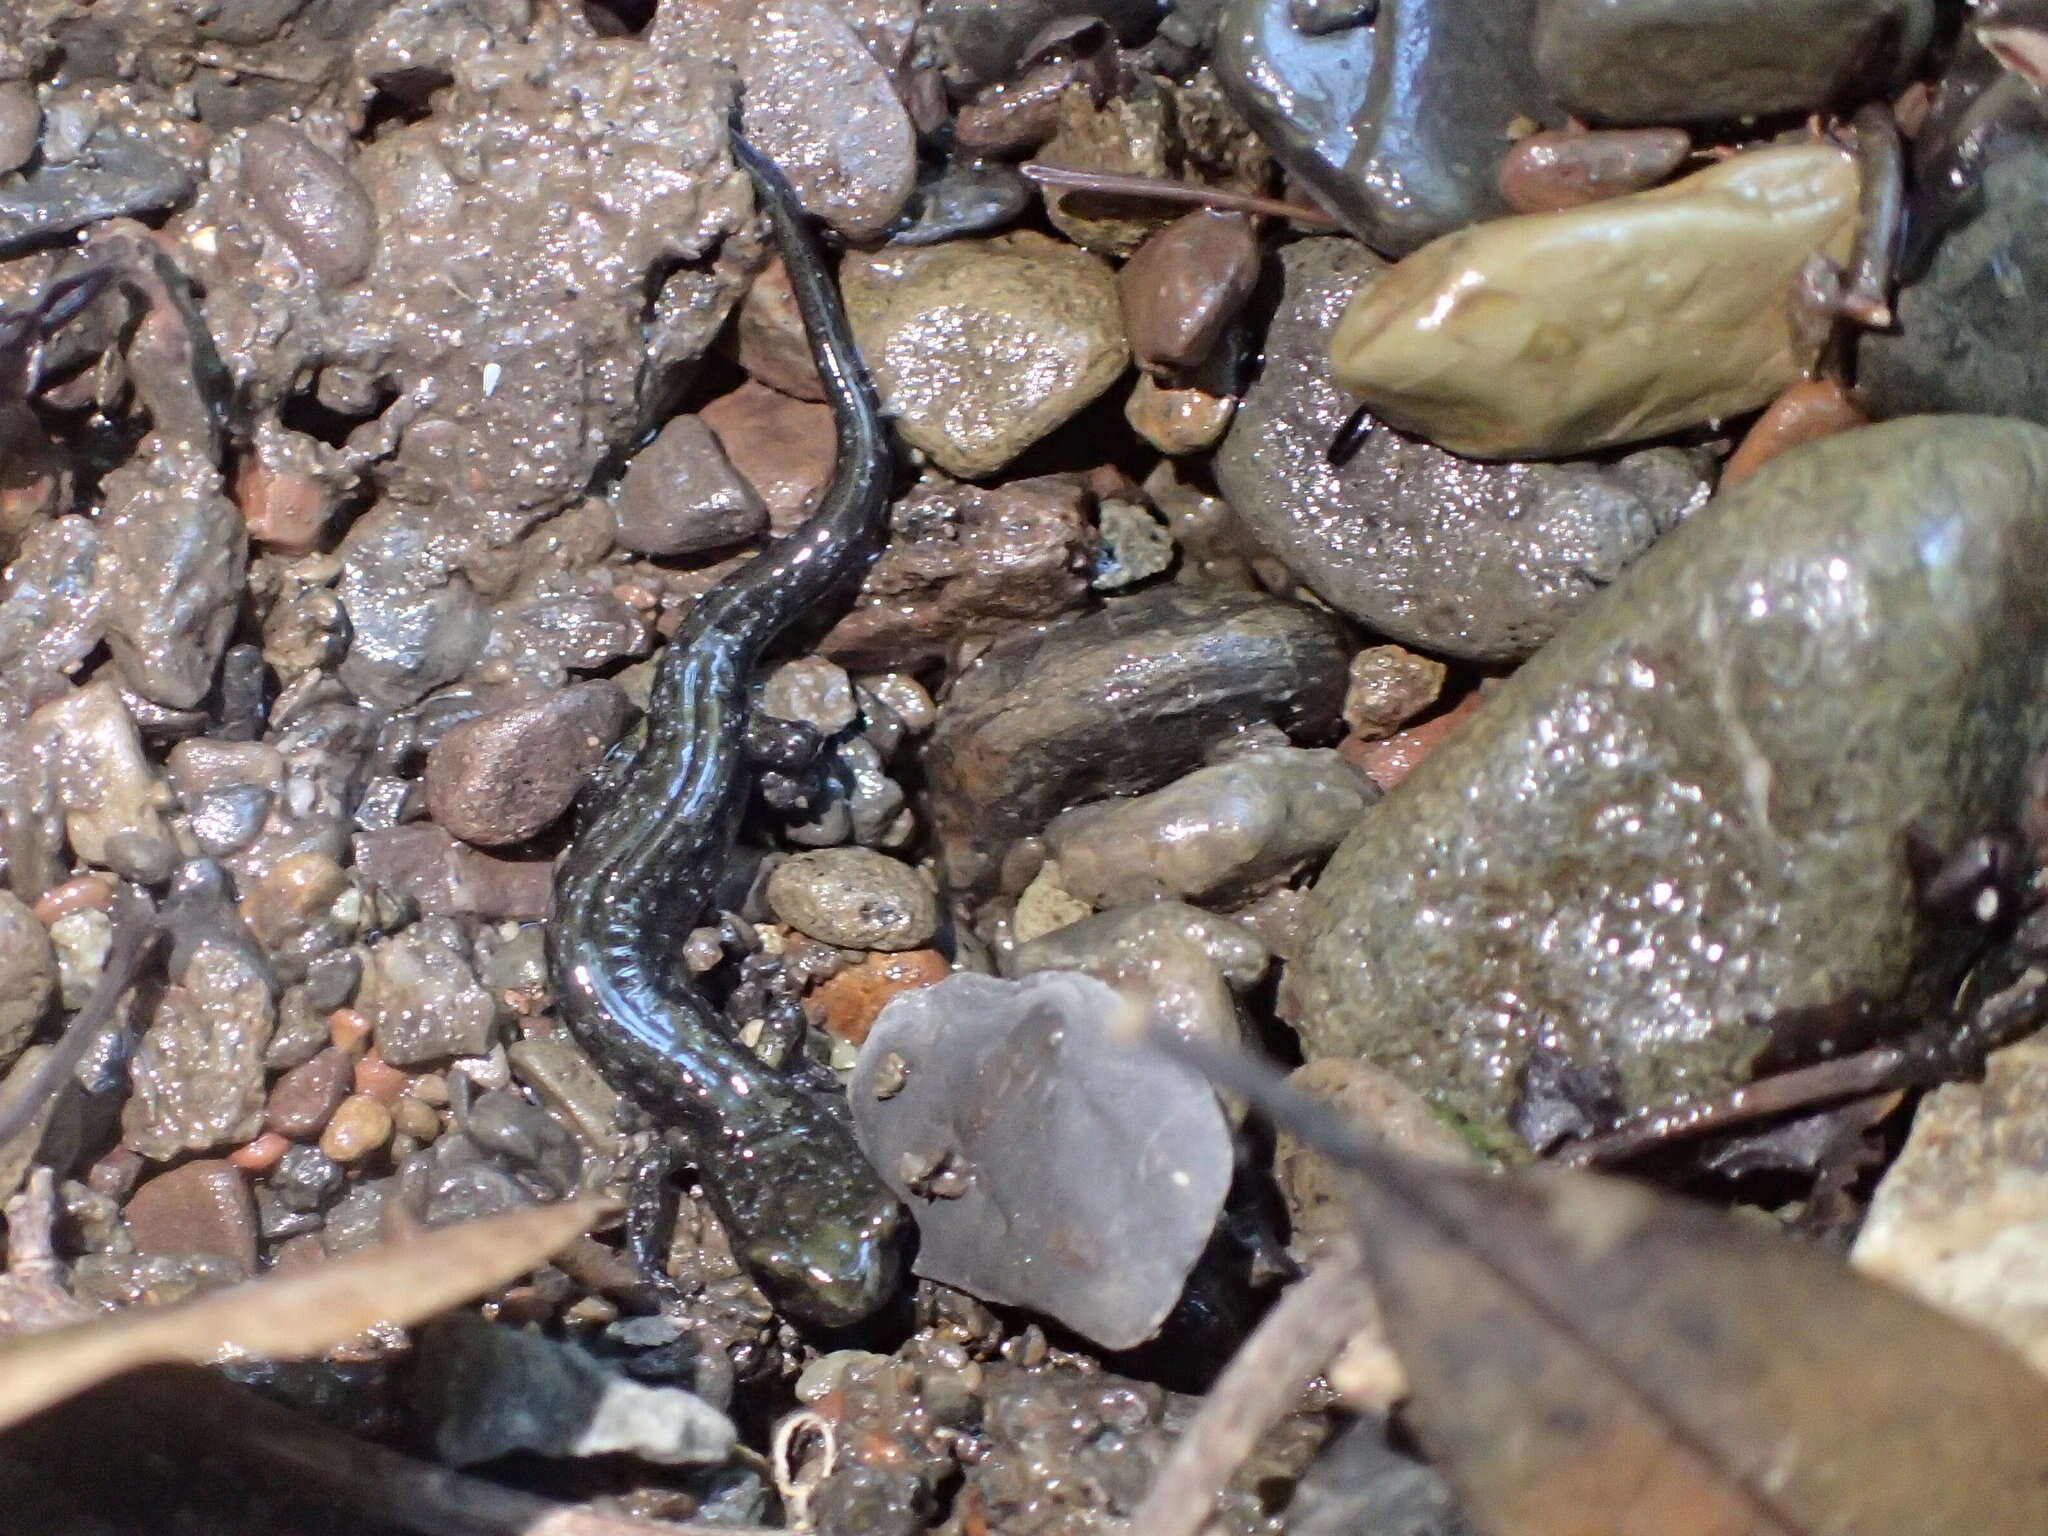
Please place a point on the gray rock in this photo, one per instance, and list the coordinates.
(1485, 561)
(1000, 1110)
(1139, 932)
(681, 495)
(423, 998)
(1052, 719)
(813, 690)
(854, 898)
(415, 622)
(1966, 338)
(1399, 126)
(109, 793)
(489, 1390)
(176, 549)
(28, 975)
(1216, 835)
(1665, 61)
(983, 40)
(1685, 814)
(1136, 546)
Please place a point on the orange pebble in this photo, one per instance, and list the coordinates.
(260, 1154)
(1810, 409)
(78, 894)
(348, 1029)
(379, 1079)
(851, 1001)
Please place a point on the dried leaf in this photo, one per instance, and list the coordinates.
(1587, 1355)
(292, 1316)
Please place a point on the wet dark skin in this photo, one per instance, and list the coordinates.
(808, 1216)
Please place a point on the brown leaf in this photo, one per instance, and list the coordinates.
(1589, 1356)
(292, 1316)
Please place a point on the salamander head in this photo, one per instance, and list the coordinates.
(836, 1265)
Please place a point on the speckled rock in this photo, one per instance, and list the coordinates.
(1216, 835)
(1965, 331)
(1389, 687)
(854, 898)
(111, 799)
(1660, 61)
(1397, 125)
(1849, 645)
(1044, 719)
(505, 776)
(28, 975)
(1961, 1219)
(981, 347)
(423, 997)
(1130, 133)
(197, 1074)
(813, 690)
(964, 562)
(414, 620)
(1557, 333)
(1485, 561)
(681, 495)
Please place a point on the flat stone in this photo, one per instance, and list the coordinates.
(1398, 125)
(1966, 331)
(1664, 61)
(982, 347)
(681, 495)
(1961, 1219)
(1548, 334)
(505, 776)
(1548, 171)
(1045, 719)
(1485, 561)
(198, 1207)
(1849, 645)
(1217, 835)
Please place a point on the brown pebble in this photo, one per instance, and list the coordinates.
(379, 1079)
(1388, 762)
(849, 1002)
(359, 1127)
(198, 1207)
(1810, 409)
(430, 1088)
(1184, 286)
(294, 895)
(115, 1174)
(261, 1154)
(769, 339)
(1549, 171)
(348, 1029)
(296, 1254)
(415, 1119)
(305, 1098)
(1011, 119)
(78, 894)
(312, 200)
(284, 509)
(785, 448)
(1390, 685)
(682, 496)
(507, 775)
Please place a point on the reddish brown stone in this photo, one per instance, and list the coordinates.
(1548, 171)
(303, 1099)
(784, 447)
(1390, 761)
(504, 777)
(260, 1155)
(197, 1207)
(769, 339)
(1185, 285)
(847, 1004)
(681, 495)
(1810, 409)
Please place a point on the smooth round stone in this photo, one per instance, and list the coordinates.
(854, 898)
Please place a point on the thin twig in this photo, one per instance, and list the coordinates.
(1074, 178)
(136, 931)
(1298, 1338)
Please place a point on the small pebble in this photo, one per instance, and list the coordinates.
(77, 894)
(1810, 409)
(348, 1029)
(260, 1154)
(1389, 686)
(82, 940)
(849, 1002)
(505, 776)
(304, 1099)
(200, 1207)
(1185, 285)
(1548, 171)
(359, 1127)
(813, 690)
(854, 898)
(430, 1088)
(415, 1118)
(379, 1079)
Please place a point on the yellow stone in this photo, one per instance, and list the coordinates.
(1558, 333)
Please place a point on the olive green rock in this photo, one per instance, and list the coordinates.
(1687, 813)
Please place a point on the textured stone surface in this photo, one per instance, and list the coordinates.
(1397, 125)
(1686, 813)
(504, 776)
(1478, 560)
(1660, 61)
(981, 347)
(681, 495)
(1961, 1219)
(854, 898)
(197, 1207)
(1117, 702)
(28, 975)
(1559, 333)
(1969, 330)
